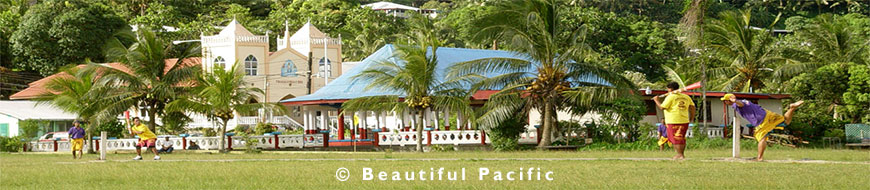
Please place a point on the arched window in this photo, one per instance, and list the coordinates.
(323, 67)
(251, 65)
(289, 69)
(220, 62)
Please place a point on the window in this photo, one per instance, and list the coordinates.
(220, 62)
(4, 129)
(651, 107)
(251, 65)
(323, 68)
(289, 69)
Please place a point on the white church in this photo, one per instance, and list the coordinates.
(281, 74)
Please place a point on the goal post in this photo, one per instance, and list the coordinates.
(735, 135)
(103, 145)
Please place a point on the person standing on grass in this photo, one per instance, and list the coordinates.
(764, 120)
(679, 112)
(77, 139)
(146, 139)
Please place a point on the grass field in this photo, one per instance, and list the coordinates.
(705, 169)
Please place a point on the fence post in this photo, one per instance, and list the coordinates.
(276, 141)
(428, 137)
(102, 143)
(482, 137)
(326, 139)
(55, 145)
(229, 142)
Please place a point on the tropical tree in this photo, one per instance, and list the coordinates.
(549, 77)
(220, 94)
(146, 77)
(832, 40)
(76, 91)
(414, 79)
(746, 51)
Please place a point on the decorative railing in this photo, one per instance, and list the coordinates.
(712, 132)
(227, 39)
(464, 137)
(204, 143)
(317, 41)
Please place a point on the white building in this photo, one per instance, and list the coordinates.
(13, 112)
(399, 10)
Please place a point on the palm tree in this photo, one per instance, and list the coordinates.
(414, 80)
(552, 77)
(150, 80)
(75, 91)
(746, 50)
(220, 94)
(832, 40)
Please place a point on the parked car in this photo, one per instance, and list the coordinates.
(51, 136)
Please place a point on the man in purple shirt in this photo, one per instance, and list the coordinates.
(77, 139)
(764, 120)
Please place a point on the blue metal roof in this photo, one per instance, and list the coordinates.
(345, 87)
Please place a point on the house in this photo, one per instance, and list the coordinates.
(12, 113)
(399, 10)
(320, 109)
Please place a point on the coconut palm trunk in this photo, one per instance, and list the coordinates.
(546, 136)
(223, 142)
(419, 127)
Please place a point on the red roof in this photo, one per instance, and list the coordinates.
(720, 94)
(36, 87)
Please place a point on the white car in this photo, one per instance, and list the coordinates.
(48, 137)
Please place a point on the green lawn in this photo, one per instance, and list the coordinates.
(571, 170)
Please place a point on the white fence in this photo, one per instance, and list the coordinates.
(204, 143)
(712, 132)
(437, 138)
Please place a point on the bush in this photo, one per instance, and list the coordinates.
(262, 128)
(11, 144)
(505, 136)
(113, 129)
(29, 128)
(811, 125)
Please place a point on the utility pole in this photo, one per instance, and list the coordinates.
(325, 62)
(310, 69)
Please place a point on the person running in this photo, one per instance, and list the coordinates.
(679, 112)
(77, 139)
(764, 120)
(146, 139)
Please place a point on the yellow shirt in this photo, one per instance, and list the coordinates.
(146, 133)
(676, 108)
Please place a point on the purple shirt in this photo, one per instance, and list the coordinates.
(751, 112)
(76, 133)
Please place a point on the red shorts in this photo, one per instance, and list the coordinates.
(146, 142)
(677, 133)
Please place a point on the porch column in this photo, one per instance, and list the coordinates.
(324, 117)
(446, 120)
(459, 120)
(384, 120)
(306, 122)
(426, 115)
(378, 120)
(363, 124)
(414, 121)
(340, 125)
(435, 118)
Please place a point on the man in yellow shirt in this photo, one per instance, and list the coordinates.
(146, 138)
(679, 112)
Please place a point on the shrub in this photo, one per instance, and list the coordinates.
(113, 129)
(29, 128)
(506, 135)
(11, 144)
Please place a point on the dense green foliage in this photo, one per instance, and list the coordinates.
(57, 33)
